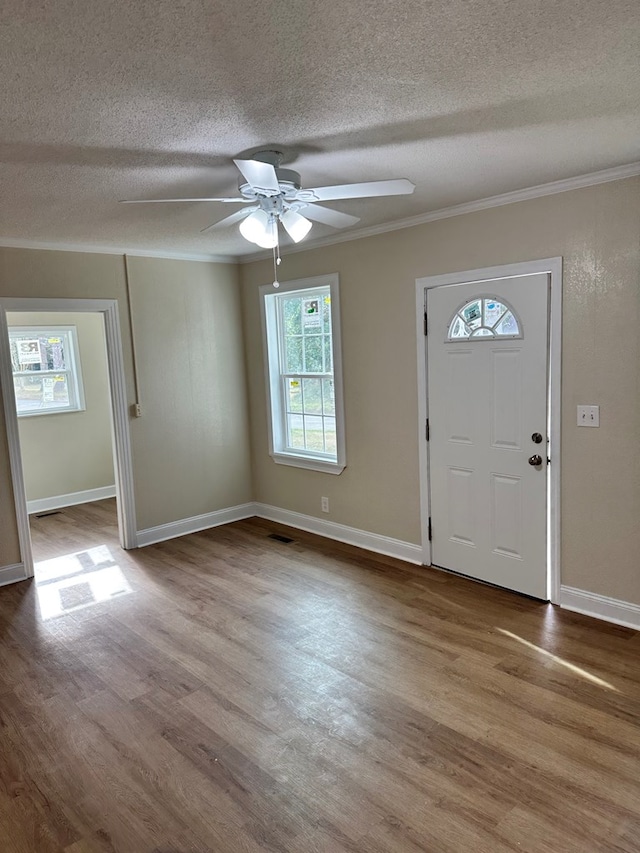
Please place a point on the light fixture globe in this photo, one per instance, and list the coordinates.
(297, 226)
(260, 228)
(269, 239)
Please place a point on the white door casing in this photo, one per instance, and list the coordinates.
(494, 517)
(123, 464)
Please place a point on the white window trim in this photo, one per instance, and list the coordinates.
(73, 358)
(275, 416)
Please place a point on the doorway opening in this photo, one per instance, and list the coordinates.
(489, 407)
(59, 388)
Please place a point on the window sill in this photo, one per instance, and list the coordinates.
(39, 413)
(309, 463)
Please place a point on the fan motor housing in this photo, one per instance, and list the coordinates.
(288, 180)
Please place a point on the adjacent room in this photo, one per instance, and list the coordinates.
(319, 413)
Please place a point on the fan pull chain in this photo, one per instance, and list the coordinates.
(277, 260)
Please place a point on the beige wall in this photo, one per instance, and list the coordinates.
(192, 442)
(70, 451)
(183, 297)
(597, 231)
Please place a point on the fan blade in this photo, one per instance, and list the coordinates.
(328, 216)
(261, 176)
(182, 200)
(230, 220)
(367, 190)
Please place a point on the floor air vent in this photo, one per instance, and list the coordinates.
(280, 538)
(46, 514)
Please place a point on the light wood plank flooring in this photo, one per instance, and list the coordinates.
(230, 693)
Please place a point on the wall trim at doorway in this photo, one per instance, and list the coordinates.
(600, 607)
(15, 458)
(553, 267)
(342, 533)
(71, 499)
(123, 462)
(195, 524)
(11, 574)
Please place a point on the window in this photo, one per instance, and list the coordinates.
(484, 318)
(46, 370)
(302, 350)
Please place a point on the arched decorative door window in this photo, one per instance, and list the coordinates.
(484, 318)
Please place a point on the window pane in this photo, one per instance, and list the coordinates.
(54, 348)
(328, 355)
(291, 315)
(299, 344)
(294, 355)
(472, 314)
(57, 388)
(26, 353)
(39, 393)
(508, 325)
(314, 433)
(331, 444)
(33, 352)
(493, 310)
(28, 393)
(312, 389)
(326, 314)
(497, 320)
(295, 431)
(44, 370)
(312, 314)
(313, 354)
(458, 328)
(294, 395)
(328, 397)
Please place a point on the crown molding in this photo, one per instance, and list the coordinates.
(590, 179)
(604, 176)
(10, 243)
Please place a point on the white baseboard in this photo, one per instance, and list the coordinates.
(341, 533)
(600, 606)
(11, 574)
(194, 524)
(72, 499)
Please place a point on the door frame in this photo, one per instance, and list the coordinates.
(553, 267)
(123, 465)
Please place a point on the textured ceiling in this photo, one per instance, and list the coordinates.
(102, 100)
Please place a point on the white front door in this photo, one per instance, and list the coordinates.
(487, 349)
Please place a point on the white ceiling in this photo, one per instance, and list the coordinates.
(102, 100)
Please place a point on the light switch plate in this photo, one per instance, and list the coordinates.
(589, 416)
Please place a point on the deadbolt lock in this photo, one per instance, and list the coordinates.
(536, 438)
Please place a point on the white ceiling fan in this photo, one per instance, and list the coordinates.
(274, 194)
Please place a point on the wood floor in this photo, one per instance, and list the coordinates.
(230, 693)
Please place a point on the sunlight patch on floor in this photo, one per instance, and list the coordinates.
(76, 581)
(561, 661)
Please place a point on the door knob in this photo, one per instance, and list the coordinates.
(536, 438)
(535, 460)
